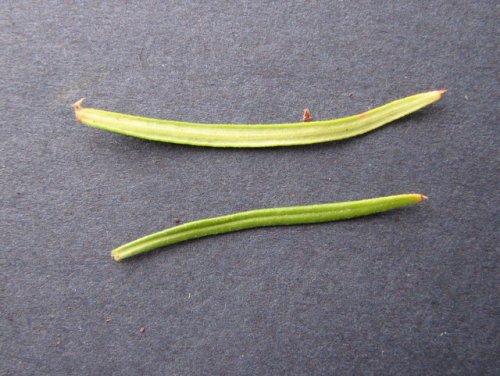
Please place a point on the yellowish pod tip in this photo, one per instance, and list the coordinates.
(77, 106)
(442, 93)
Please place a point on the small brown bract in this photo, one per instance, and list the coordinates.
(307, 115)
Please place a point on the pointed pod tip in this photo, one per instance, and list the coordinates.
(77, 106)
(423, 197)
(441, 93)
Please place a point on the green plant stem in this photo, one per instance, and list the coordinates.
(292, 215)
(253, 135)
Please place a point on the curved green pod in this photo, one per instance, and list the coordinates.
(253, 135)
(293, 215)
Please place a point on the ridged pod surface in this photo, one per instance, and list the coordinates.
(253, 135)
(292, 215)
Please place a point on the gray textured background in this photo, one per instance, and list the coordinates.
(408, 292)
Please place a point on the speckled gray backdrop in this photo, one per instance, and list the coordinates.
(408, 292)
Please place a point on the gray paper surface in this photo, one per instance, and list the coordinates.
(408, 292)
